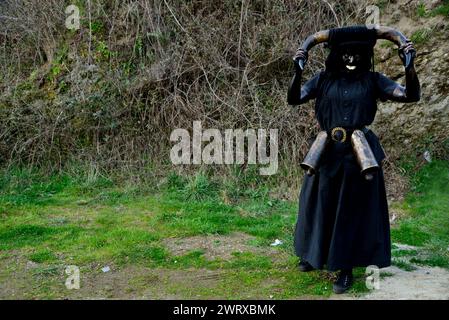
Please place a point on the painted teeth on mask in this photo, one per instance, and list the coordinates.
(350, 67)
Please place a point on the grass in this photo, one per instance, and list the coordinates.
(61, 220)
(427, 225)
(442, 9)
(404, 265)
(421, 35)
(421, 10)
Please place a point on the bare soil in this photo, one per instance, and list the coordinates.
(217, 246)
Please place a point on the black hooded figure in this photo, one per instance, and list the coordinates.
(343, 219)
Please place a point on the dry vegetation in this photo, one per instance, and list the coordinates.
(112, 91)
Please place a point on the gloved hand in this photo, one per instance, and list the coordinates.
(300, 54)
(407, 48)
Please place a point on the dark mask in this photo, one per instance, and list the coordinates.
(351, 59)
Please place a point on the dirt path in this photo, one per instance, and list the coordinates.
(422, 283)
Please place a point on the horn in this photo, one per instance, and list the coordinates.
(394, 36)
(311, 41)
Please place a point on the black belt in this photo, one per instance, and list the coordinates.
(342, 134)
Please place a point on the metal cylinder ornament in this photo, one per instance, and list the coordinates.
(365, 157)
(312, 159)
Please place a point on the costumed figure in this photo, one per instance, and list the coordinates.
(343, 217)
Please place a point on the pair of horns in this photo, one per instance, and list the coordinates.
(382, 32)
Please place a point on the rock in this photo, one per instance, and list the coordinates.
(276, 242)
(405, 247)
(427, 156)
(31, 265)
(405, 128)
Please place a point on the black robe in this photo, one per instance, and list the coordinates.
(343, 219)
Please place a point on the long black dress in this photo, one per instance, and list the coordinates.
(343, 219)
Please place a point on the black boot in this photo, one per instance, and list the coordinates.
(343, 282)
(304, 266)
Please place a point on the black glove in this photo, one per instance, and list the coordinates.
(300, 54)
(407, 48)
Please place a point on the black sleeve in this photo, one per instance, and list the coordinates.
(385, 87)
(310, 89)
(390, 90)
(299, 94)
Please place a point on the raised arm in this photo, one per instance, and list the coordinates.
(298, 94)
(391, 90)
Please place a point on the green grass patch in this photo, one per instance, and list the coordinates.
(33, 235)
(433, 260)
(427, 225)
(404, 253)
(42, 255)
(421, 36)
(404, 265)
(442, 9)
(421, 10)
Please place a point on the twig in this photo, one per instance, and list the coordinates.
(174, 17)
(333, 12)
